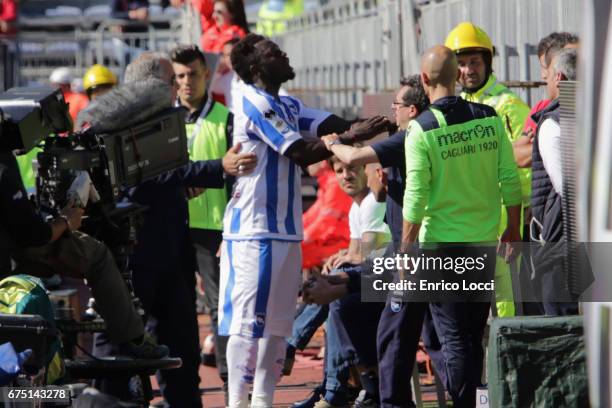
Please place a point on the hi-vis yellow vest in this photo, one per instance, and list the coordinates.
(27, 172)
(272, 18)
(206, 211)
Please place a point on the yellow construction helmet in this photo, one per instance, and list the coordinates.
(467, 36)
(98, 75)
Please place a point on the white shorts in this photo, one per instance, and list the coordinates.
(260, 280)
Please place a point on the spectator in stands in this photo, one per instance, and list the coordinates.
(230, 22)
(274, 14)
(548, 45)
(98, 80)
(8, 16)
(547, 186)
(136, 10)
(203, 7)
(62, 78)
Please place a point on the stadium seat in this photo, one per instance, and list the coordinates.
(100, 10)
(64, 11)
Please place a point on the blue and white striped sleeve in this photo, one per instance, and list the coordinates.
(265, 124)
(309, 118)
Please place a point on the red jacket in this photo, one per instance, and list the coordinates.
(529, 123)
(215, 38)
(76, 102)
(205, 8)
(326, 228)
(8, 13)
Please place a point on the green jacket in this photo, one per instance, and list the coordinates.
(206, 211)
(456, 175)
(513, 113)
(25, 168)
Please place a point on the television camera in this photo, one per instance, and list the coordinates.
(115, 161)
(111, 160)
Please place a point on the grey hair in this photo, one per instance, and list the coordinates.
(147, 65)
(126, 105)
(565, 63)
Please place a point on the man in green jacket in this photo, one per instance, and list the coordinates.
(459, 167)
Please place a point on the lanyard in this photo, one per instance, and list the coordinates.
(198, 124)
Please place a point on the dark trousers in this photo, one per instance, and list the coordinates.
(460, 328)
(207, 243)
(168, 298)
(399, 329)
(81, 256)
(553, 289)
(433, 346)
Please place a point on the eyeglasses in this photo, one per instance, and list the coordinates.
(396, 104)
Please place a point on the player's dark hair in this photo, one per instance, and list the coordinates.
(244, 55)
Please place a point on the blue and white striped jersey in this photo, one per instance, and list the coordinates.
(267, 204)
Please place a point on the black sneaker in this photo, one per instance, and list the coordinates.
(148, 349)
(289, 360)
(312, 399)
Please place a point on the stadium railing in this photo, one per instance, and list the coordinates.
(350, 48)
(81, 33)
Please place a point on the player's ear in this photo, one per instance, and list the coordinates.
(254, 72)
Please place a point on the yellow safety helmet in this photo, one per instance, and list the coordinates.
(98, 75)
(467, 36)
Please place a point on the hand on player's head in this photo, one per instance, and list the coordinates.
(371, 127)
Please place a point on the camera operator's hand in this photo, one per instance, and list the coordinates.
(69, 220)
(73, 217)
(236, 164)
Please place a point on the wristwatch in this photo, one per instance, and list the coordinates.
(334, 142)
(65, 218)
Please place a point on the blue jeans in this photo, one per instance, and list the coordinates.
(306, 323)
(351, 339)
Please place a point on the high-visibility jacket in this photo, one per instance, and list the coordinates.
(455, 176)
(25, 169)
(273, 15)
(513, 113)
(457, 171)
(210, 143)
(76, 102)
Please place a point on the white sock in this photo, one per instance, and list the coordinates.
(241, 363)
(270, 360)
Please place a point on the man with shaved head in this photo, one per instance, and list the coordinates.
(459, 167)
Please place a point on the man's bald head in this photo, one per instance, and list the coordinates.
(439, 67)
